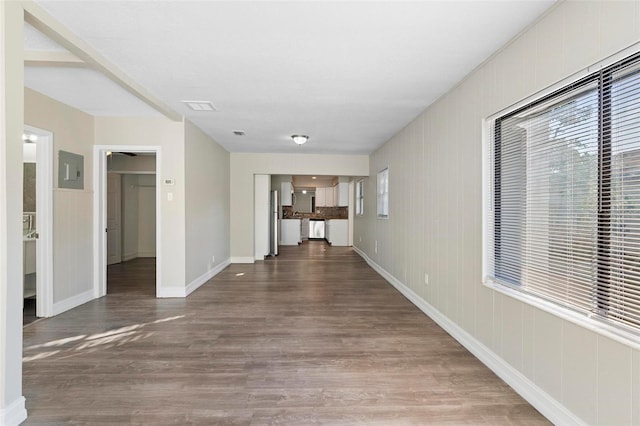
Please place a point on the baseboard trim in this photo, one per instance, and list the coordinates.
(206, 276)
(551, 408)
(242, 260)
(146, 254)
(168, 292)
(129, 256)
(72, 302)
(14, 414)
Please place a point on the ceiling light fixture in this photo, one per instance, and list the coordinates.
(304, 191)
(300, 139)
(28, 137)
(238, 133)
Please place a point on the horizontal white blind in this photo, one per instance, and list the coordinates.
(620, 299)
(565, 220)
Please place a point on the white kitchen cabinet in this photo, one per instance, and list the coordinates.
(335, 195)
(321, 197)
(286, 194)
(29, 256)
(342, 194)
(290, 232)
(337, 232)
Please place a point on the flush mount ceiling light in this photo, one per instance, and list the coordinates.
(300, 139)
(200, 105)
(28, 137)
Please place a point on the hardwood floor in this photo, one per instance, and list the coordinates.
(313, 336)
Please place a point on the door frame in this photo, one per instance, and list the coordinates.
(44, 220)
(100, 213)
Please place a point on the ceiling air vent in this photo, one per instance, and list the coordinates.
(200, 105)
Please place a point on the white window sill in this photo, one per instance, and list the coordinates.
(596, 325)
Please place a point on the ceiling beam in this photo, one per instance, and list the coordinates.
(50, 58)
(46, 24)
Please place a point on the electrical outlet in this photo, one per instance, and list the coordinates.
(375, 247)
(360, 239)
(213, 259)
(426, 278)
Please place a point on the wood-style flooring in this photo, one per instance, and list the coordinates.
(313, 336)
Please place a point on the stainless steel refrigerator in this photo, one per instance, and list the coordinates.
(273, 224)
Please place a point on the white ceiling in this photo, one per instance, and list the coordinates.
(348, 74)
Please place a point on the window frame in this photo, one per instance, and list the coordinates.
(360, 197)
(382, 197)
(595, 322)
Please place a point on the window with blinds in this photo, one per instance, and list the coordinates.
(383, 194)
(360, 197)
(565, 208)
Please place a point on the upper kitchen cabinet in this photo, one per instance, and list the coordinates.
(342, 194)
(286, 194)
(321, 197)
(333, 196)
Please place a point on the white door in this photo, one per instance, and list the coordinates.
(114, 246)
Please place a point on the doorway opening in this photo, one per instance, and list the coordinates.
(127, 217)
(37, 224)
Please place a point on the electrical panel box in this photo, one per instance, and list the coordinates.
(70, 170)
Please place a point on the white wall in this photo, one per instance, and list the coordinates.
(207, 206)
(435, 222)
(169, 135)
(138, 216)
(146, 216)
(127, 163)
(262, 216)
(12, 408)
(303, 202)
(245, 165)
(73, 131)
(129, 217)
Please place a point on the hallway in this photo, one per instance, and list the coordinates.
(313, 336)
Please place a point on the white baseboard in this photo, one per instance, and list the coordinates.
(206, 276)
(129, 256)
(146, 254)
(72, 302)
(167, 292)
(193, 285)
(551, 408)
(242, 260)
(14, 414)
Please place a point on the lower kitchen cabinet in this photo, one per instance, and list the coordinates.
(290, 232)
(337, 232)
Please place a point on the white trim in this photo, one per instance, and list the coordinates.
(237, 259)
(202, 279)
(146, 254)
(129, 256)
(100, 220)
(551, 408)
(487, 193)
(14, 414)
(166, 292)
(44, 221)
(580, 319)
(72, 302)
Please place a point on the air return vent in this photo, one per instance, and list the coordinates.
(200, 105)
